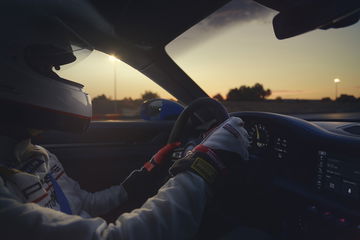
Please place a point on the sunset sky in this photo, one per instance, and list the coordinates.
(220, 54)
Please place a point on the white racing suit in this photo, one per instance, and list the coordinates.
(29, 208)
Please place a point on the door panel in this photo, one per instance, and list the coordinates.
(108, 151)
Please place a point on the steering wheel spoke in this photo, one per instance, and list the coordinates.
(207, 111)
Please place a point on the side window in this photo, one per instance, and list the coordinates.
(117, 90)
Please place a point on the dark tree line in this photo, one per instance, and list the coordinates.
(257, 92)
(254, 93)
(104, 105)
(147, 95)
(246, 93)
(347, 98)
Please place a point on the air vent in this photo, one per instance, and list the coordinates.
(353, 130)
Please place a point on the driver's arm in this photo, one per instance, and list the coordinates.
(93, 203)
(174, 213)
(101, 202)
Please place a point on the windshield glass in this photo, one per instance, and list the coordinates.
(234, 56)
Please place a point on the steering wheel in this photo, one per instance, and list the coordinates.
(200, 116)
(194, 121)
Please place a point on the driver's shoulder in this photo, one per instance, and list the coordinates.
(51, 156)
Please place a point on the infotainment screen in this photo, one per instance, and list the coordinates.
(338, 174)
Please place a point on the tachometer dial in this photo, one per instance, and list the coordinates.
(259, 136)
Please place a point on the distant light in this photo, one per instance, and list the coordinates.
(113, 58)
(336, 80)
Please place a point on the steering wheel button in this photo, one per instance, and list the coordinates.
(177, 155)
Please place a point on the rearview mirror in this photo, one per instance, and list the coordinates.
(160, 109)
(310, 15)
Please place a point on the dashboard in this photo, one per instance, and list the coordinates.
(318, 163)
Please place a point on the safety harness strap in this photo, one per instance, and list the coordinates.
(60, 196)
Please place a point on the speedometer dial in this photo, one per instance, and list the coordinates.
(259, 136)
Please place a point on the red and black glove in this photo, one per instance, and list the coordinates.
(144, 182)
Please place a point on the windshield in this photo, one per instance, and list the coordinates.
(235, 57)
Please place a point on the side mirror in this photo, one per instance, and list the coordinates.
(160, 110)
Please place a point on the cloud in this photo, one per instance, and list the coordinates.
(237, 11)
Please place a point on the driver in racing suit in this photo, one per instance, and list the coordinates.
(38, 200)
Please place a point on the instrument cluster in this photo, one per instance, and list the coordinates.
(265, 140)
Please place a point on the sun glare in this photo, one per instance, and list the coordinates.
(112, 58)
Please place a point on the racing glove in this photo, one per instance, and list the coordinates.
(214, 156)
(144, 182)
